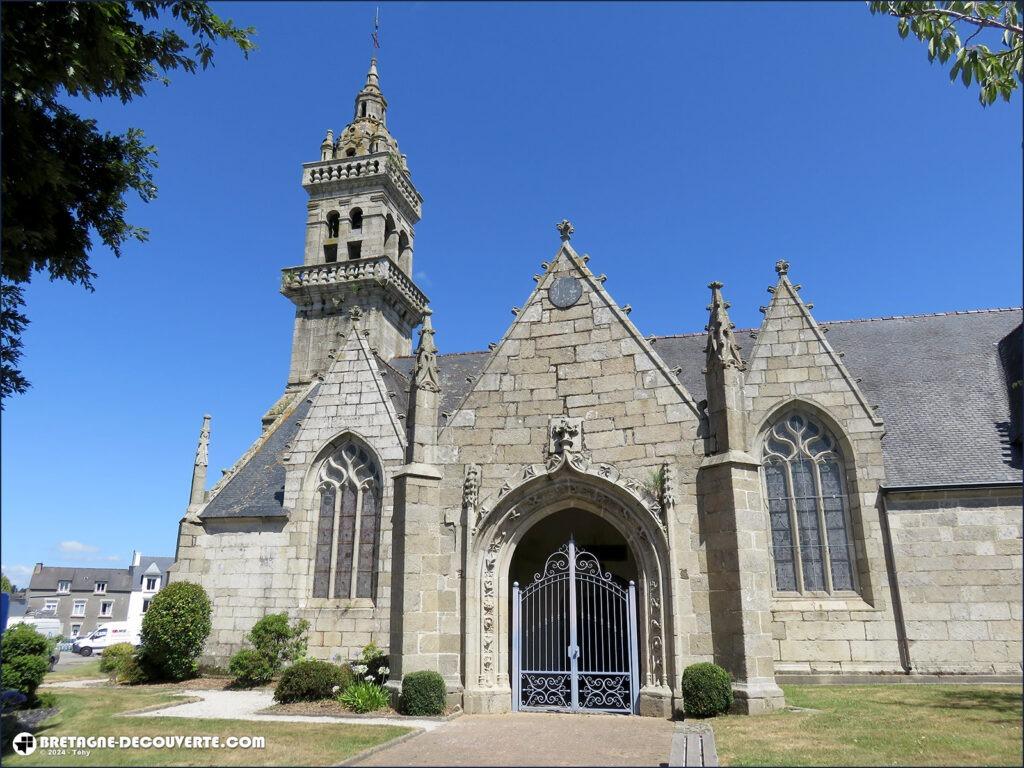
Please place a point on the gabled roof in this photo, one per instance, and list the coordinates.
(82, 579)
(256, 489)
(941, 384)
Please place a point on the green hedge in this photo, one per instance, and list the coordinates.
(423, 693)
(707, 690)
(309, 680)
(174, 630)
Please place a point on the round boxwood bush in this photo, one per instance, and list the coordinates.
(309, 680)
(174, 630)
(423, 693)
(707, 690)
(250, 667)
(114, 656)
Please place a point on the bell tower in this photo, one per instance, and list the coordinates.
(359, 242)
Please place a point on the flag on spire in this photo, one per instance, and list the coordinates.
(376, 29)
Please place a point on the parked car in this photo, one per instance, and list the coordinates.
(48, 627)
(105, 635)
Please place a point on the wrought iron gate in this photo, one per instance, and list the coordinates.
(574, 638)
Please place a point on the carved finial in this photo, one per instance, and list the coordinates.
(721, 345)
(565, 229)
(425, 375)
(355, 315)
(564, 432)
(203, 448)
(782, 267)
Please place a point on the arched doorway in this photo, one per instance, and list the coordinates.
(510, 525)
(574, 619)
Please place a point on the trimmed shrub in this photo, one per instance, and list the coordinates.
(24, 640)
(113, 656)
(174, 630)
(130, 671)
(309, 680)
(26, 659)
(364, 697)
(280, 642)
(24, 673)
(423, 693)
(249, 667)
(707, 690)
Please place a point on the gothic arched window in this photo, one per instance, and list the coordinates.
(807, 507)
(348, 525)
(356, 217)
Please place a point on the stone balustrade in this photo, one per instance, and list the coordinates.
(380, 269)
(365, 166)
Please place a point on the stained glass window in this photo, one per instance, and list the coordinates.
(348, 524)
(806, 494)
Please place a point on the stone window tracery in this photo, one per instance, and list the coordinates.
(808, 508)
(348, 524)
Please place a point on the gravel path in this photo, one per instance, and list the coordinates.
(245, 705)
(77, 683)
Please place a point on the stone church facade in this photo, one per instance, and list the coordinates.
(834, 499)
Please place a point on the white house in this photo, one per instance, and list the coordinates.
(147, 576)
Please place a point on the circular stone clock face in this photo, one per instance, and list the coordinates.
(565, 292)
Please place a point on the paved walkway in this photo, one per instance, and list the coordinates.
(244, 705)
(529, 738)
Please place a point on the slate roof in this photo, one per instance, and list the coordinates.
(82, 579)
(257, 488)
(146, 562)
(941, 383)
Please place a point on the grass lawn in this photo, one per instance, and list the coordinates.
(90, 712)
(880, 725)
(90, 670)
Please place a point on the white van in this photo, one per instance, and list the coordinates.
(105, 635)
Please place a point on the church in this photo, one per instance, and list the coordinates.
(570, 518)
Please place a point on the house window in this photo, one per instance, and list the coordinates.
(76, 629)
(145, 605)
(101, 588)
(349, 494)
(107, 608)
(63, 587)
(78, 608)
(152, 583)
(807, 508)
(51, 604)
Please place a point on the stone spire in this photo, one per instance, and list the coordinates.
(424, 398)
(198, 494)
(425, 374)
(721, 346)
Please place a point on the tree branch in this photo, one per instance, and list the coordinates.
(978, 21)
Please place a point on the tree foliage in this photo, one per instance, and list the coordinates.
(940, 25)
(63, 180)
(5, 583)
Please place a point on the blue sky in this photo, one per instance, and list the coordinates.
(686, 143)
